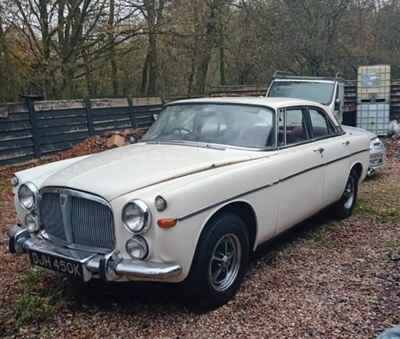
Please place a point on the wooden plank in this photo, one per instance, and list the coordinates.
(102, 114)
(56, 105)
(116, 125)
(59, 147)
(109, 115)
(63, 129)
(60, 114)
(110, 121)
(147, 101)
(8, 135)
(14, 154)
(109, 102)
(65, 137)
(12, 126)
(11, 108)
(16, 117)
(17, 160)
(15, 144)
(61, 122)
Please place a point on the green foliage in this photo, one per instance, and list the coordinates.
(383, 210)
(30, 308)
(37, 303)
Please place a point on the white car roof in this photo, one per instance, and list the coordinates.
(305, 80)
(274, 103)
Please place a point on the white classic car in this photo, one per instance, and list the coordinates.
(210, 181)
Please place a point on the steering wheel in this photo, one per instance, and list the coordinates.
(181, 130)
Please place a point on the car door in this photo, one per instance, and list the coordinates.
(301, 177)
(335, 151)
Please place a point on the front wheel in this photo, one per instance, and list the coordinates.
(219, 264)
(344, 207)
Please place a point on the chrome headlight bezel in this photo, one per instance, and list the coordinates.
(30, 198)
(14, 181)
(142, 222)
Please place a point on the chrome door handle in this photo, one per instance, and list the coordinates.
(346, 143)
(319, 150)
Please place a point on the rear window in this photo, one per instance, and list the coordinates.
(320, 92)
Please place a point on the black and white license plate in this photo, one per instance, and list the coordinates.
(57, 264)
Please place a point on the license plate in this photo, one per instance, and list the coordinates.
(57, 264)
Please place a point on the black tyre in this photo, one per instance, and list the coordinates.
(344, 207)
(219, 264)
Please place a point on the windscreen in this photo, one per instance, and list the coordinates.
(235, 125)
(321, 92)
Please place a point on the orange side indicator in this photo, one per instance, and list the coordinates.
(167, 223)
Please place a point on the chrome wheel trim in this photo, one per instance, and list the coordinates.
(225, 262)
(349, 194)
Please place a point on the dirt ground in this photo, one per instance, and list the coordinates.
(324, 279)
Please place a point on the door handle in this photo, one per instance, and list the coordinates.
(319, 150)
(346, 143)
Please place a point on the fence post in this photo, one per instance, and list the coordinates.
(132, 113)
(29, 101)
(89, 118)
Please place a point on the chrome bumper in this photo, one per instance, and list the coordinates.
(109, 267)
(376, 161)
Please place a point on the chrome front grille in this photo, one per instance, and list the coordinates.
(76, 218)
(51, 215)
(90, 223)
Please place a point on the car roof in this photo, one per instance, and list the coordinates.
(315, 80)
(270, 102)
(273, 103)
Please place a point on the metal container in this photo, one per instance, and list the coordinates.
(374, 83)
(374, 117)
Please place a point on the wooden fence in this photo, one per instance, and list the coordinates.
(35, 128)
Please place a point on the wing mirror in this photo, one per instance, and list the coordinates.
(338, 105)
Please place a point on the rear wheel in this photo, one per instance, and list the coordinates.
(220, 262)
(345, 206)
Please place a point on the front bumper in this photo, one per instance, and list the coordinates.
(376, 161)
(109, 267)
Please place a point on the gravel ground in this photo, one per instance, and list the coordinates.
(324, 279)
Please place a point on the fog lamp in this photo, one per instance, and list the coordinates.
(137, 247)
(31, 223)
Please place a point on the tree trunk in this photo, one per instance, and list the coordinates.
(152, 66)
(113, 61)
(221, 51)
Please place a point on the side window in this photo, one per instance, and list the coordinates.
(319, 124)
(296, 130)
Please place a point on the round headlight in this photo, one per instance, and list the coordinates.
(136, 216)
(31, 223)
(27, 196)
(137, 247)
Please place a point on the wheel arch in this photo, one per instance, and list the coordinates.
(243, 210)
(357, 167)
